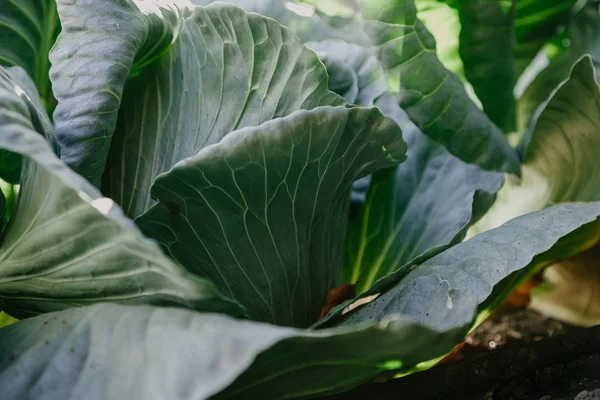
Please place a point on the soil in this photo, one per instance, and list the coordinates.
(521, 326)
(518, 355)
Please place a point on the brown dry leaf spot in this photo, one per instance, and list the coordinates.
(337, 296)
(521, 297)
(461, 351)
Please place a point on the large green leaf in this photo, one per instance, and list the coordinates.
(229, 69)
(560, 162)
(236, 69)
(416, 209)
(478, 271)
(66, 245)
(263, 213)
(536, 22)
(108, 352)
(101, 44)
(433, 97)
(68, 355)
(565, 142)
(486, 47)
(532, 24)
(28, 29)
(560, 165)
(583, 38)
(498, 40)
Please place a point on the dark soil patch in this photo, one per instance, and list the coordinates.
(515, 356)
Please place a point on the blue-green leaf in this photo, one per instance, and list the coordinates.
(566, 138)
(583, 37)
(439, 292)
(433, 97)
(487, 41)
(560, 160)
(263, 213)
(101, 44)
(417, 209)
(108, 352)
(66, 245)
(228, 69)
(419, 319)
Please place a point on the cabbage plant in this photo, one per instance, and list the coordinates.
(186, 172)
